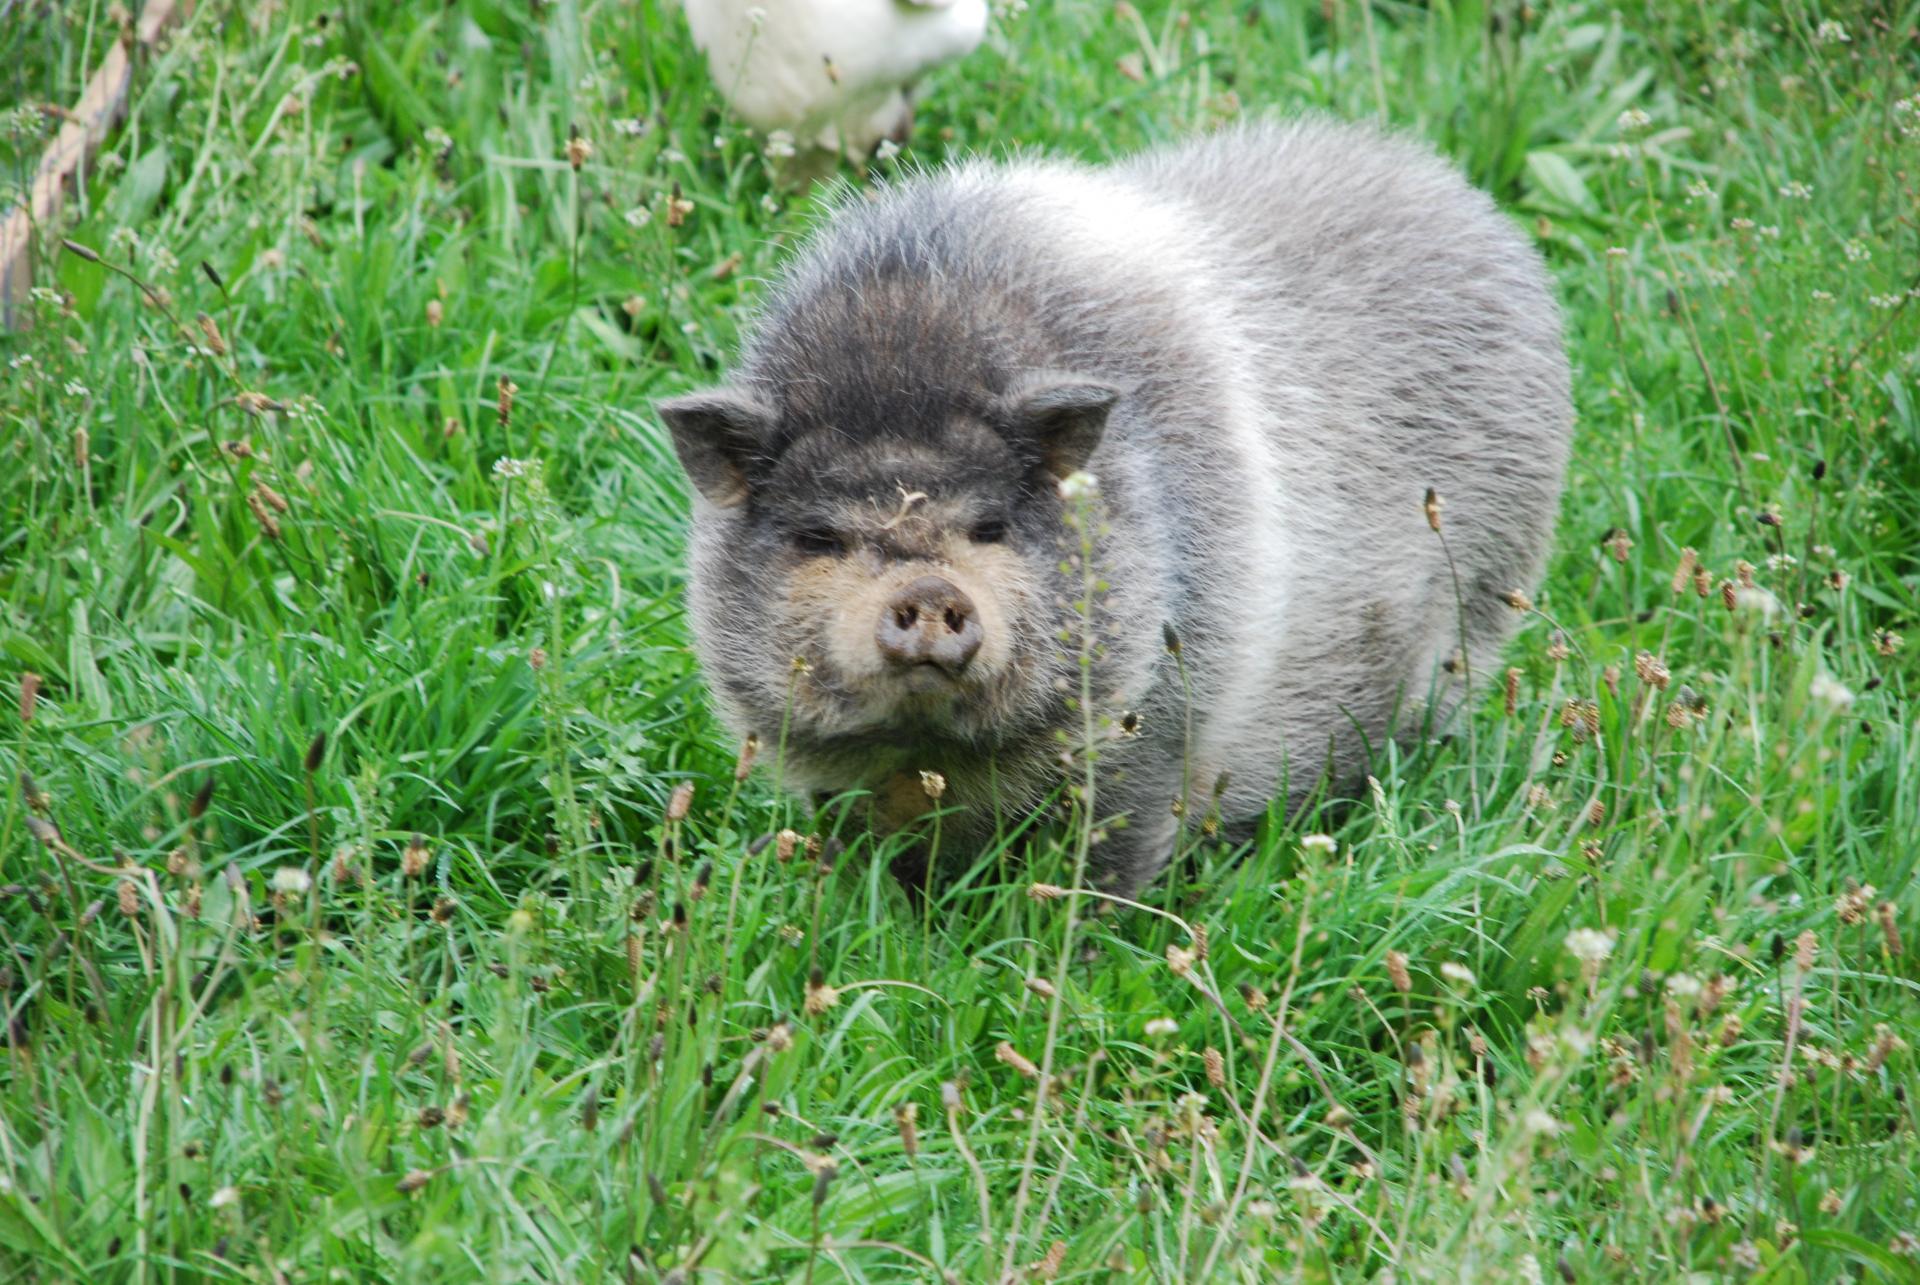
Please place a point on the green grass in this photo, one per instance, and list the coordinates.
(577, 1044)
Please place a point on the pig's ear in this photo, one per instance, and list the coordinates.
(715, 433)
(1062, 416)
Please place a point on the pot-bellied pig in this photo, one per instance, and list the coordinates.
(1254, 354)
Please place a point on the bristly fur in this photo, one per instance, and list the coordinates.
(1300, 328)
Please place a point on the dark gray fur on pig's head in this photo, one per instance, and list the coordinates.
(892, 421)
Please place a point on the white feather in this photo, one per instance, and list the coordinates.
(835, 73)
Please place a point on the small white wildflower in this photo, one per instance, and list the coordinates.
(1700, 190)
(1782, 562)
(639, 216)
(1541, 1124)
(508, 467)
(887, 150)
(1683, 986)
(1742, 225)
(1796, 191)
(1856, 251)
(437, 139)
(1459, 974)
(1831, 33)
(1079, 485)
(630, 126)
(1162, 1026)
(1616, 252)
(1324, 844)
(1823, 296)
(291, 881)
(1634, 119)
(768, 204)
(75, 388)
(1589, 945)
(756, 15)
(224, 1197)
(1887, 301)
(1754, 600)
(1829, 690)
(673, 156)
(780, 144)
(1771, 231)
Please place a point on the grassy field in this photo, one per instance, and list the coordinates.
(356, 922)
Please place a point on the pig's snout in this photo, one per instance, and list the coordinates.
(929, 622)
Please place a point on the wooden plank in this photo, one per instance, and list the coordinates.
(101, 105)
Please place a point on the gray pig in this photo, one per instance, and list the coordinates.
(1263, 346)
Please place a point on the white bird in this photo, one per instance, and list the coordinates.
(838, 75)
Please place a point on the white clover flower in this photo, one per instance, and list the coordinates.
(1616, 252)
(887, 150)
(1683, 986)
(1796, 191)
(639, 216)
(1162, 1026)
(1589, 945)
(1634, 119)
(1325, 844)
(508, 467)
(1538, 1122)
(1756, 601)
(1856, 251)
(1079, 485)
(292, 881)
(1700, 190)
(1831, 33)
(1459, 974)
(224, 1197)
(780, 144)
(1829, 690)
(630, 126)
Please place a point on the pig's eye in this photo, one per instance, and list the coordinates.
(818, 542)
(988, 531)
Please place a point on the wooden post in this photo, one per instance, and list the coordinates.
(100, 107)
